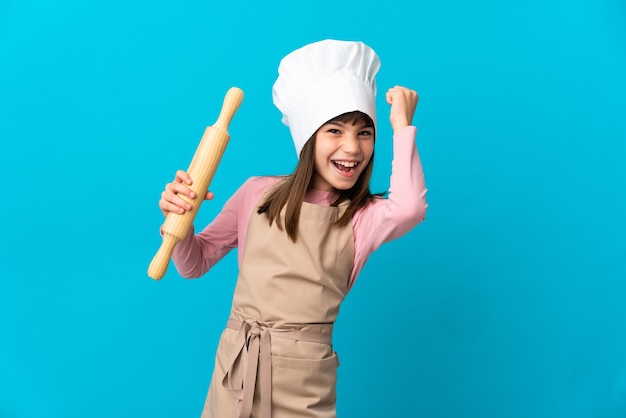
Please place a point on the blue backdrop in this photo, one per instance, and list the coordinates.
(508, 301)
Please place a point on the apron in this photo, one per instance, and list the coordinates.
(275, 358)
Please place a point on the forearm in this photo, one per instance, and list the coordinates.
(196, 254)
(407, 191)
(188, 258)
(386, 219)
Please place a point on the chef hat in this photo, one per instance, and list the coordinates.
(323, 80)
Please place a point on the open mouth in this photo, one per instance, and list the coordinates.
(346, 166)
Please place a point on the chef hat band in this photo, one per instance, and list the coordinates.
(323, 80)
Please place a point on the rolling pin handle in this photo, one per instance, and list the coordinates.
(232, 100)
(159, 263)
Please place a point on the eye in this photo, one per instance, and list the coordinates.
(334, 131)
(366, 133)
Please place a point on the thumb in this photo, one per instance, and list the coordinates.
(389, 96)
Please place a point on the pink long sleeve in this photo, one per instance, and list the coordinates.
(380, 221)
(387, 219)
(195, 255)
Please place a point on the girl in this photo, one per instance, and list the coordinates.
(302, 239)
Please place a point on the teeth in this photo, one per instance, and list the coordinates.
(348, 164)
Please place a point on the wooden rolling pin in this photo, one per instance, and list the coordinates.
(201, 170)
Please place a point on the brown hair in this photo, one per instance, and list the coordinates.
(289, 193)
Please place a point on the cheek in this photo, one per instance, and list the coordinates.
(368, 150)
(322, 152)
(318, 161)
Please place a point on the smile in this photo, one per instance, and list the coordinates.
(346, 166)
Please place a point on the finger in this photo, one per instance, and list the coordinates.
(395, 93)
(402, 90)
(167, 207)
(179, 188)
(401, 95)
(389, 96)
(183, 177)
(209, 195)
(174, 203)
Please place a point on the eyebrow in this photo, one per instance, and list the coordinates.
(342, 124)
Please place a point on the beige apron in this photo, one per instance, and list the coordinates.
(275, 358)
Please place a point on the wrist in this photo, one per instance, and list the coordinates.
(398, 126)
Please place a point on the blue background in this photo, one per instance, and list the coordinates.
(509, 301)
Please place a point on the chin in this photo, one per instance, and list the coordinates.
(343, 187)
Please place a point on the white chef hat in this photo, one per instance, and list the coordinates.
(323, 80)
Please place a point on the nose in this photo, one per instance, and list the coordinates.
(351, 144)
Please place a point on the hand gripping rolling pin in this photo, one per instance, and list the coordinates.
(201, 171)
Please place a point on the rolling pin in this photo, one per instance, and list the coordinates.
(201, 170)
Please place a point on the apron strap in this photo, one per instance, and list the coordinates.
(253, 345)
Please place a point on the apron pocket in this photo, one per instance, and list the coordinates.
(300, 385)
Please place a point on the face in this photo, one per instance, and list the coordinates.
(342, 151)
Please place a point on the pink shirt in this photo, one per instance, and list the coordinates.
(381, 221)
